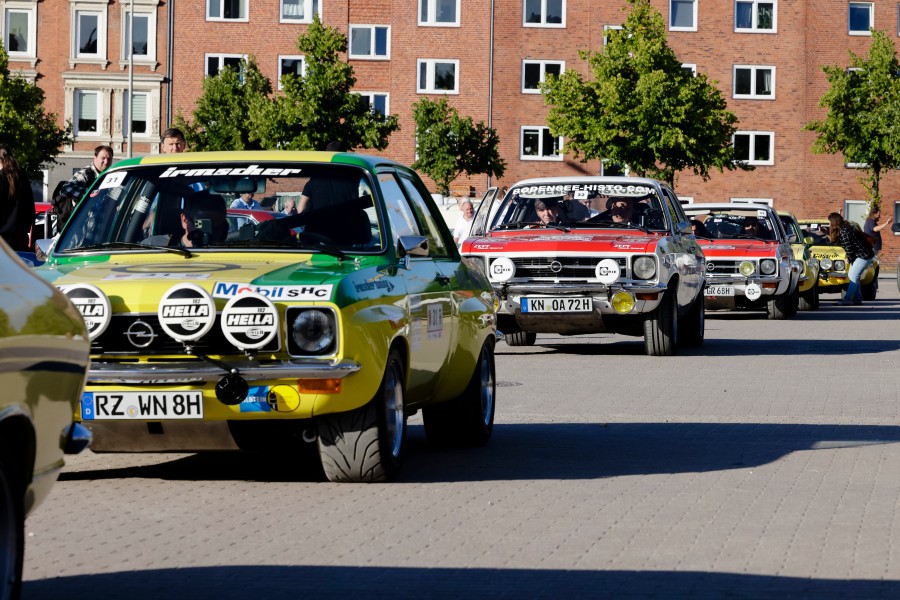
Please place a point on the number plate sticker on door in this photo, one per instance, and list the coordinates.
(556, 305)
(149, 405)
(720, 290)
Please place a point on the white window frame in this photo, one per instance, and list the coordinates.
(867, 32)
(692, 27)
(101, 9)
(540, 156)
(430, 64)
(29, 8)
(753, 95)
(150, 57)
(610, 28)
(102, 98)
(431, 9)
(543, 22)
(852, 208)
(754, 27)
(371, 55)
(371, 97)
(310, 8)
(221, 10)
(742, 200)
(543, 66)
(692, 67)
(685, 200)
(125, 111)
(299, 57)
(753, 135)
(221, 57)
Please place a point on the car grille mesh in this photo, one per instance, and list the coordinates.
(566, 267)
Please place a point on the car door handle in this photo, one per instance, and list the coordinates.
(443, 280)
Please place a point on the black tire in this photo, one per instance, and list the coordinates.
(870, 291)
(366, 445)
(520, 338)
(793, 303)
(12, 533)
(468, 419)
(661, 328)
(809, 300)
(778, 307)
(692, 329)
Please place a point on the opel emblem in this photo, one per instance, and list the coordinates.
(140, 334)
(556, 266)
(710, 266)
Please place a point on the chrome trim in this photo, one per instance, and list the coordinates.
(567, 288)
(179, 372)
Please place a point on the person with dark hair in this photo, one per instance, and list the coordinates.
(172, 141)
(203, 221)
(73, 190)
(547, 210)
(16, 202)
(859, 254)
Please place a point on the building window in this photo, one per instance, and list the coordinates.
(754, 82)
(534, 73)
(140, 121)
(376, 101)
(144, 43)
(861, 18)
(291, 65)
(19, 26)
(538, 144)
(754, 147)
(226, 10)
(690, 68)
(438, 76)
(544, 13)
(87, 34)
(87, 112)
(217, 62)
(607, 29)
(683, 15)
(300, 11)
(755, 16)
(438, 12)
(370, 42)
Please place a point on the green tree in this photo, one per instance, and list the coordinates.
(863, 120)
(642, 108)
(448, 145)
(319, 107)
(31, 134)
(219, 120)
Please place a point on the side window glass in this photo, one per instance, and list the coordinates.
(676, 213)
(399, 213)
(436, 244)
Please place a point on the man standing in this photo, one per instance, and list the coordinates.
(72, 191)
(464, 223)
(873, 229)
(172, 141)
(246, 202)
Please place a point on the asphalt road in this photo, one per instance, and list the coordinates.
(763, 465)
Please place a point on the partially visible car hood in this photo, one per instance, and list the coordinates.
(737, 248)
(550, 240)
(831, 252)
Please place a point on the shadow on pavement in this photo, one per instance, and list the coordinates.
(726, 347)
(276, 582)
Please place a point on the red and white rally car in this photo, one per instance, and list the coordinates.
(749, 260)
(577, 255)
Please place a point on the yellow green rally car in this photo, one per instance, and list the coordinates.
(329, 326)
(809, 278)
(833, 266)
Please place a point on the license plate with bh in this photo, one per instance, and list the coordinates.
(151, 405)
(557, 305)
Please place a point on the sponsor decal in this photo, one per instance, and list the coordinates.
(226, 289)
(435, 327)
(186, 312)
(561, 238)
(376, 284)
(175, 276)
(249, 321)
(92, 304)
(582, 189)
(257, 400)
(113, 180)
(248, 171)
(486, 246)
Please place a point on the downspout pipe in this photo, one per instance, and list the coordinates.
(170, 45)
(491, 77)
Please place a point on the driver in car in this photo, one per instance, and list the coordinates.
(618, 210)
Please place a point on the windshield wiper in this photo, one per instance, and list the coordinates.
(129, 246)
(291, 245)
(606, 222)
(515, 224)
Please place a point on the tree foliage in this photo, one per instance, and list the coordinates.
(319, 107)
(448, 145)
(219, 119)
(641, 107)
(31, 134)
(863, 120)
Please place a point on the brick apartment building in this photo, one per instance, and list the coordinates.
(486, 56)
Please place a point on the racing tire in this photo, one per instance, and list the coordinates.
(778, 307)
(793, 303)
(809, 300)
(692, 330)
(468, 419)
(366, 445)
(661, 328)
(12, 534)
(521, 338)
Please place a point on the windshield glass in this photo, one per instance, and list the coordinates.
(581, 204)
(733, 224)
(194, 206)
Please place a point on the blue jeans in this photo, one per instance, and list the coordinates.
(856, 270)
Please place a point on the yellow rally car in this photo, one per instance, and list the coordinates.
(809, 278)
(832, 259)
(321, 330)
(44, 354)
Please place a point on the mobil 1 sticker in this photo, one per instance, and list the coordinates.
(250, 321)
(93, 305)
(186, 312)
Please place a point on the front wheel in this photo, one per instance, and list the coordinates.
(779, 307)
(692, 330)
(468, 419)
(809, 300)
(12, 538)
(520, 338)
(661, 327)
(366, 445)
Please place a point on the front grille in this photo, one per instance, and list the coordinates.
(723, 267)
(568, 267)
(115, 340)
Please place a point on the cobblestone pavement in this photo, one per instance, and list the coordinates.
(763, 465)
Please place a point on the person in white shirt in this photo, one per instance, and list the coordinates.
(464, 224)
(246, 202)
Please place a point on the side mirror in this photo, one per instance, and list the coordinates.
(411, 245)
(809, 240)
(42, 248)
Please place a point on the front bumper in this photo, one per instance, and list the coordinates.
(511, 295)
(197, 372)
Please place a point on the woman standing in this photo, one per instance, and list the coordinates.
(16, 202)
(859, 254)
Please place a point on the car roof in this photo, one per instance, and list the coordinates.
(727, 206)
(366, 161)
(587, 179)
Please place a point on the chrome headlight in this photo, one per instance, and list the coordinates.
(767, 267)
(826, 263)
(644, 267)
(313, 331)
(840, 265)
(746, 268)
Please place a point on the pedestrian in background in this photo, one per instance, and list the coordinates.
(859, 253)
(172, 141)
(72, 191)
(872, 229)
(464, 223)
(17, 208)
